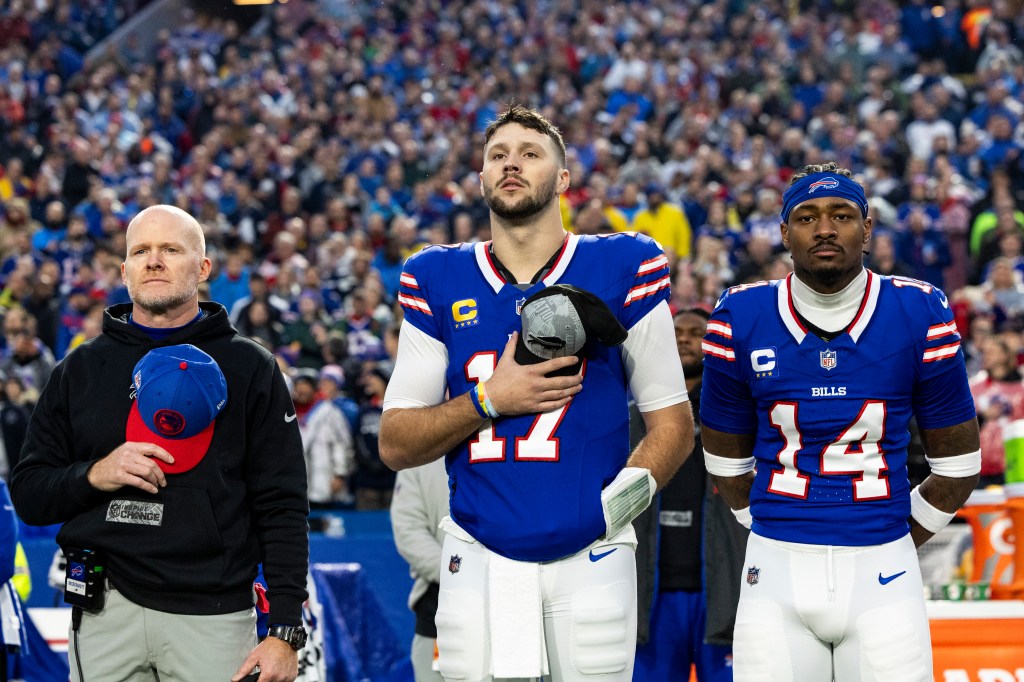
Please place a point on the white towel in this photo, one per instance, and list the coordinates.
(515, 612)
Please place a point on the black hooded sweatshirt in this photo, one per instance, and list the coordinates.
(193, 547)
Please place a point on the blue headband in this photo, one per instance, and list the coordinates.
(823, 185)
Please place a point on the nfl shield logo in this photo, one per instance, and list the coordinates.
(519, 305)
(828, 359)
(454, 564)
(753, 575)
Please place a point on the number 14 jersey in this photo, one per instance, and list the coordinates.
(832, 418)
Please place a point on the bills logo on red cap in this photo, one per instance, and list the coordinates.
(169, 423)
(179, 391)
(824, 183)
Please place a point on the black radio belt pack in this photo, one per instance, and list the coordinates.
(83, 579)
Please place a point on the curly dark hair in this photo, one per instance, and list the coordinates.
(812, 168)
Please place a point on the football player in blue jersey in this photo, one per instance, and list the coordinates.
(538, 575)
(810, 383)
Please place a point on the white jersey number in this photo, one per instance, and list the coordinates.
(855, 452)
(538, 445)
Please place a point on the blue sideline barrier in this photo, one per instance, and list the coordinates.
(359, 643)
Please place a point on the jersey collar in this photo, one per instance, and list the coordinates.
(496, 281)
(856, 327)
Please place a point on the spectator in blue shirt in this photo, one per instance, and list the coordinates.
(923, 248)
(232, 282)
(630, 96)
(51, 234)
(1002, 151)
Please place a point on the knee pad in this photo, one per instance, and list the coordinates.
(603, 629)
(895, 645)
(462, 643)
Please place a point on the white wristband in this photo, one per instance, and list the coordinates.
(727, 466)
(926, 514)
(744, 517)
(957, 466)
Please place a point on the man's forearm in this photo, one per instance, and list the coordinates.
(413, 436)
(668, 442)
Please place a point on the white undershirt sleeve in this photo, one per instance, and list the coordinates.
(419, 376)
(652, 361)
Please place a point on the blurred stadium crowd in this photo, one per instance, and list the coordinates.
(328, 142)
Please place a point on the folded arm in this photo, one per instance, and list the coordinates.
(947, 493)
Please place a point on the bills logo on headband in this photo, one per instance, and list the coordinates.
(824, 183)
(828, 359)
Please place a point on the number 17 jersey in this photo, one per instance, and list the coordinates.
(832, 418)
(529, 486)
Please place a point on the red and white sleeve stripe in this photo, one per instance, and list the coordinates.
(941, 352)
(414, 303)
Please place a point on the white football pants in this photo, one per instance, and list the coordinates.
(589, 612)
(813, 613)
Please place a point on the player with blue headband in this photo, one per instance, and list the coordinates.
(809, 388)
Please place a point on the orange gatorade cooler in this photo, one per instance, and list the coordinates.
(992, 533)
(1015, 510)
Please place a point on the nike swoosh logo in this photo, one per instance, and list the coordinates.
(885, 580)
(289, 418)
(598, 557)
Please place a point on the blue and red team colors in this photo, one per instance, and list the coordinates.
(833, 418)
(517, 485)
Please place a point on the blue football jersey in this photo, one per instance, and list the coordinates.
(528, 487)
(832, 418)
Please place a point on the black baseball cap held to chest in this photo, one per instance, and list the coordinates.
(559, 321)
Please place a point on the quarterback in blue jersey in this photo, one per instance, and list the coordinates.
(538, 575)
(810, 383)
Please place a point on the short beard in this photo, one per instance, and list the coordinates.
(527, 207)
(828, 276)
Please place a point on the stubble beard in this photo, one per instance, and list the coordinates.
(523, 208)
(829, 275)
(160, 305)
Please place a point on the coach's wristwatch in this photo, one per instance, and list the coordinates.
(294, 635)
